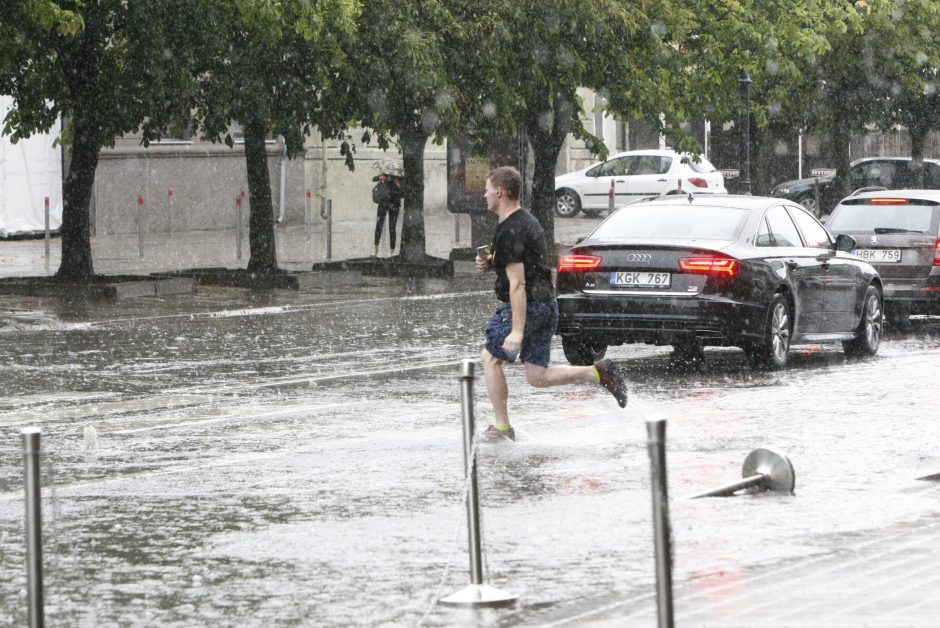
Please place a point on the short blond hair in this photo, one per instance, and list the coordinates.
(509, 179)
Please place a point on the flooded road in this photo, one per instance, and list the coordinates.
(296, 459)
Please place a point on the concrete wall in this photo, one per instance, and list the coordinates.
(351, 191)
(206, 178)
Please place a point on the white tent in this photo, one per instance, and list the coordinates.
(30, 171)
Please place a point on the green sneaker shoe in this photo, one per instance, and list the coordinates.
(493, 435)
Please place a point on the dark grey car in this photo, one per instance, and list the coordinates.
(753, 272)
(885, 172)
(897, 232)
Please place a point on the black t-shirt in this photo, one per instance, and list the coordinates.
(520, 238)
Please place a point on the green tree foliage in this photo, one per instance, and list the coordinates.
(105, 67)
(266, 65)
(777, 45)
(399, 85)
(910, 77)
(847, 79)
(531, 57)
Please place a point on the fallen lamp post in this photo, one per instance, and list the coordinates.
(764, 469)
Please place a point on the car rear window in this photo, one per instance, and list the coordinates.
(702, 165)
(867, 217)
(674, 222)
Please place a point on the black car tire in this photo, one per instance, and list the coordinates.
(869, 328)
(898, 319)
(773, 351)
(582, 350)
(687, 355)
(567, 203)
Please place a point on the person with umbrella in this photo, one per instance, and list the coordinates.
(387, 196)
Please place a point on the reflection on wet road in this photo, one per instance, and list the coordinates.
(296, 459)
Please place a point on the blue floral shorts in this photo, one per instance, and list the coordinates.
(541, 318)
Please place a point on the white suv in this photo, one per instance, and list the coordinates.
(634, 174)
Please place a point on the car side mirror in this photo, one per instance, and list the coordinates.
(580, 239)
(845, 243)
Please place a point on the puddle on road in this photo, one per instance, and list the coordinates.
(248, 473)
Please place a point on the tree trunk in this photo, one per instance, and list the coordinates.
(76, 265)
(545, 145)
(80, 72)
(413, 143)
(261, 222)
(762, 147)
(841, 138)
(918, 135)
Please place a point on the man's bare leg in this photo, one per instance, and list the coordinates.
(543, 377)
(496, 388)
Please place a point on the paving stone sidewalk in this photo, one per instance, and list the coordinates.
(298, 247)
(881, 578)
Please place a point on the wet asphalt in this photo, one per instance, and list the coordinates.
(295, 458)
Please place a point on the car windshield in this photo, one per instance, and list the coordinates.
(673, 222)
(869, 218)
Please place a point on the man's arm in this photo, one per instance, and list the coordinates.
(516, 274)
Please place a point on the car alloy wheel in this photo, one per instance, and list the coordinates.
(780, 332)
(870, 328)
(567, 203)
(773, 352)
(809, 202)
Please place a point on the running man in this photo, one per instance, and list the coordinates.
(525, 321)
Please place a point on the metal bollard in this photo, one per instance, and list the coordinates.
(764, 469)
(610, 197)
(141, 225)
(477, 593)
(239, 226)
(308, 211)
(816, 196)
(662, 536)
(169, 211)
(31, 448)
(46, 212)
(456, 228)
(329, 228)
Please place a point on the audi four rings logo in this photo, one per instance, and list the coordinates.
(640, 257)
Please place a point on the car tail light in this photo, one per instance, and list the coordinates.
(936, 253)
(709, 265)
(889, 201)
(578, 263)
(698, 182)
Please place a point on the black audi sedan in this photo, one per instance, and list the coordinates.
(719, 270)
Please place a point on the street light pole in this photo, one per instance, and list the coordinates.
(745, 153)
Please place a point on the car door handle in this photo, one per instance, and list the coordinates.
(662, 179)
(791, 265)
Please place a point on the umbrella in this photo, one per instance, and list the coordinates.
(389, 166)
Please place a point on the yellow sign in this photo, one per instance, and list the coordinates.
(477, 169)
